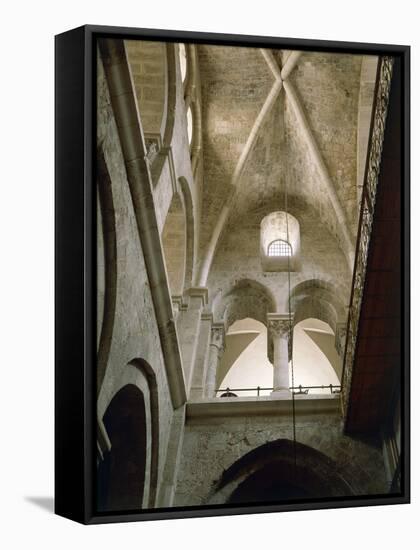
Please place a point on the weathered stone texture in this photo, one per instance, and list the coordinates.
(329, 87)
(135, 333)
(211, 446)
(187, 202)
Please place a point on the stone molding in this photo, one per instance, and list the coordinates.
(207, 316)
(199, 292)
(207, 408)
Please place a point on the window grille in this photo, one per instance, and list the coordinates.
(279, 248)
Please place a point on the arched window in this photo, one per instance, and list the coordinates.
(189, 125)
(183, 61)
(279, 248)
(280, 242)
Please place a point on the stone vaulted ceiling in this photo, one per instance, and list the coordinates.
(307, 140)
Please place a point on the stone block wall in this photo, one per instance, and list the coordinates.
(134, 333)
(212, 445)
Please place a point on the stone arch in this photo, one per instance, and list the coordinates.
(106, 266)
(247, 298)
(190, 235)
(146, 370)
(295, 470)
(192, 87)
(280, 227)
(318, 299)
(171, 95)
(142, 415)
(122, 473)
(174, 243)
(183, 61)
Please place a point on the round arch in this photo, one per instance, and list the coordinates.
(317, 299)
(107, 266)
(122, 474)
(133, 407)
(246, 299)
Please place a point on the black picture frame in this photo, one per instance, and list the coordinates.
(75, 253)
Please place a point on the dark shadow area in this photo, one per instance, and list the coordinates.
(46, 503)
(121, 474)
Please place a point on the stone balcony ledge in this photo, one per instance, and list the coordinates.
(305, 405)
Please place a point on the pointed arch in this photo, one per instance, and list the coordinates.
(316, 475)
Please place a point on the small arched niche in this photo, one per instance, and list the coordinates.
(280, 242)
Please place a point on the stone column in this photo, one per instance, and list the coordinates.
(198, 383)
(188, 325)
(216, 349)
(279, 350)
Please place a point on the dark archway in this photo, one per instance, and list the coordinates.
(280, 471)
(272, 483)
(121, 475)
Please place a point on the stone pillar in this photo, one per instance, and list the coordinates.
(188, 326)
(216, 349)
(198, 383)
(279, 350)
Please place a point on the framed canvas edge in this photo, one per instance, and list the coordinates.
(85, 216)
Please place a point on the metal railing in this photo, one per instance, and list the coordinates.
(297, 390)
(367, 210)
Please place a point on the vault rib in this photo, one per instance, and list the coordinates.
(312, 143)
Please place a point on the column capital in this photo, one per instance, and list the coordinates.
(199, 292)
(218, 334)
(278, 326)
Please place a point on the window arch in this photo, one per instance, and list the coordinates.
(182, 61)
(280, 242)
(189, 125)
(279, 247)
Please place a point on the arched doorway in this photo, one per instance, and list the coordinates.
(272, 483)
(121, 475)
(280, 471)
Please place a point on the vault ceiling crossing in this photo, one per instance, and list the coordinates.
(273, 119)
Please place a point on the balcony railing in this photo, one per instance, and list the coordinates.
(367, 209)
(297, 390)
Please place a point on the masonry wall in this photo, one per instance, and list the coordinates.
(134, 332)
(211, 445)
